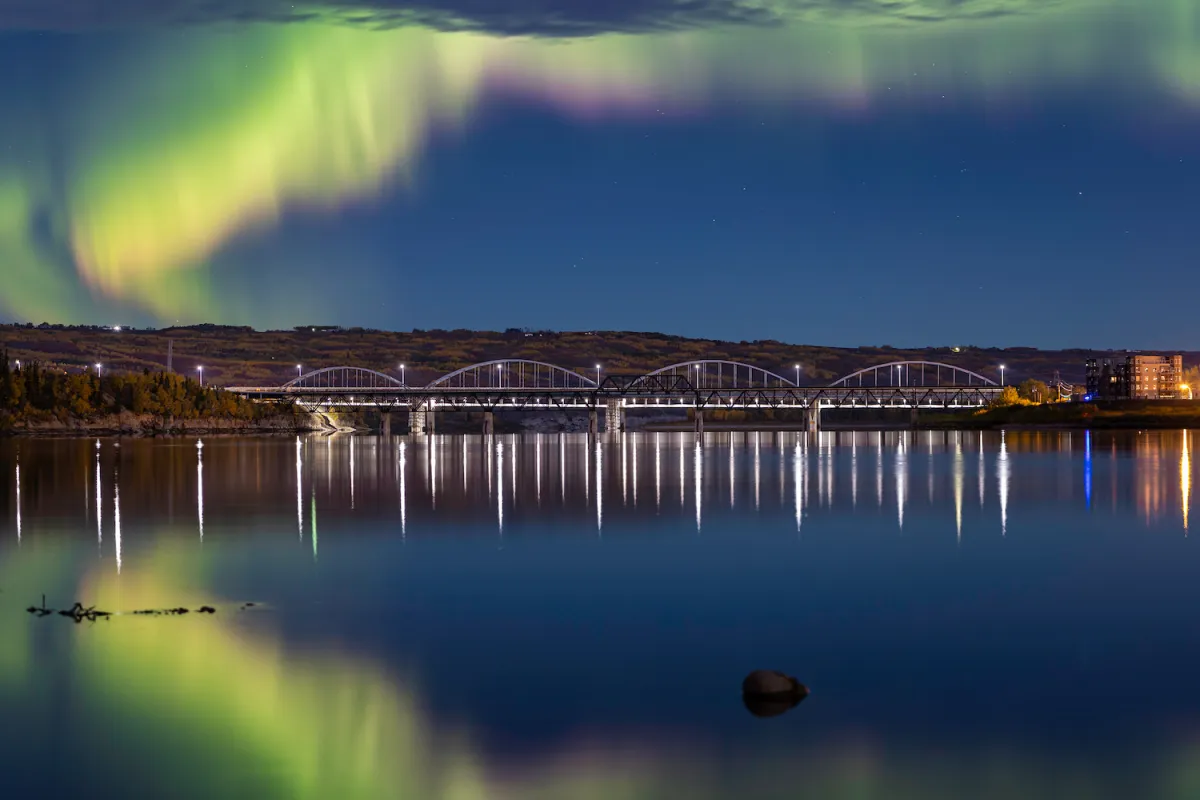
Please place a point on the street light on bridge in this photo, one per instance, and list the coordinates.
(597, 374)
(298, 370)
(1001, 374)
(402, 383)
(797, 374)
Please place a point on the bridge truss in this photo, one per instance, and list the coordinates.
(516, 384)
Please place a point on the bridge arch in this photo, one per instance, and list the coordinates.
(914, 373)
(513, 373)
(343, 378)
(712, 373)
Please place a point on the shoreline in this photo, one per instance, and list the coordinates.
(150, 426)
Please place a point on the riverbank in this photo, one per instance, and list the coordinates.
(130, 424)
(1116, 415)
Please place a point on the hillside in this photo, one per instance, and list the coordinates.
(240, 356)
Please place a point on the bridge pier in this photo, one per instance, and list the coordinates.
(417, 420)
(812, 418)
(385, 424)
(912, 417)
(699, 418)
(593, 422)
(489, 423)
(614, 416)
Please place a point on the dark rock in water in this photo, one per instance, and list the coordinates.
(767, 693)
(769, 682)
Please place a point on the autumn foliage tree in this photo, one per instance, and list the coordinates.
(33, 391)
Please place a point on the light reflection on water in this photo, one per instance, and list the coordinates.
(472, 629)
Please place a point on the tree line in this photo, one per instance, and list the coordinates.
(34, 391)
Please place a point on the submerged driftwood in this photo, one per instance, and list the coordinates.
(79, 612)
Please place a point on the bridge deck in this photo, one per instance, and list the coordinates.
(488, 399)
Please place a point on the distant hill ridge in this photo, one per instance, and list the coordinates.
(241, 355)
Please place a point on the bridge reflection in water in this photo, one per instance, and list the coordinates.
(705, 384)
(578, 541)
(954, 482)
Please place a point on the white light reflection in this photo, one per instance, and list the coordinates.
(782, 470)
(200, 487)
(99, 502)
(901, 476)
(117, 516)
(562, 467)
(537, 465)
(682, 477)
(698, 477)
(797, 470)
(512, 440)
(403, 469)
(658, 470)
(1185, 478)
(982, 470)
(732, 472)
(820, 470)
(959, 467)
(352, 471)
(1002, 470)
(829, 474)
(490, 444)
(879, 470)
(854, 470)
(587, 471)
(599, 487)
(431, 443)
(634, 455)
(929, 467)
(757, 468)
(624, 473)
(500, 486)
(466, 458)
(18, 459)
(299, 492)
(312, 515)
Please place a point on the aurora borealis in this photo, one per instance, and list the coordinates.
(177, 160)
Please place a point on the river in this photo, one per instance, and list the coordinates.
(552, 616)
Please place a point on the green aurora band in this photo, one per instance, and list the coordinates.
(224, 709)
(121, 192)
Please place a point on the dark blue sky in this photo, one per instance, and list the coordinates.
(842, 181)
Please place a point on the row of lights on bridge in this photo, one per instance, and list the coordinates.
(300, 372)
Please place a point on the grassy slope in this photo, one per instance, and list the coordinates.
(1130, 414)
(237, 356)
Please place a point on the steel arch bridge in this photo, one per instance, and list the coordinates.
(514, 384)
(913, 373)
(342, 377)
(513, 373)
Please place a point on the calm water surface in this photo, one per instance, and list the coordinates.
(978, 616)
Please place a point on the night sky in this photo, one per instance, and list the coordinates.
(907, 172)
